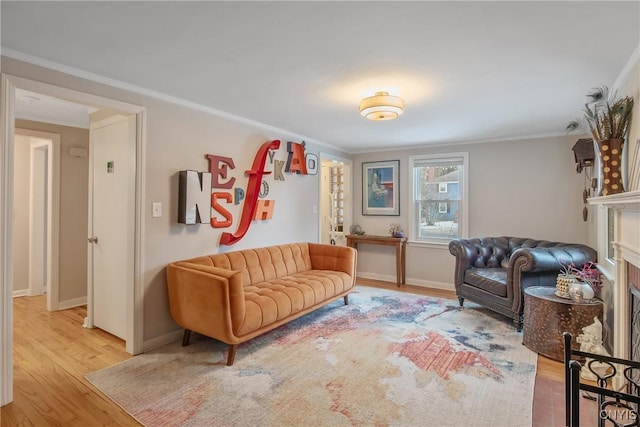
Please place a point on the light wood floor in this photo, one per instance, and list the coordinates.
(52, 353)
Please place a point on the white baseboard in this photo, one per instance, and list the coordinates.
(162, 340)
(70, 303)
(21, 293)
(410, 281)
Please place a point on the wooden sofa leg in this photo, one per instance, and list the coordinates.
(346, 300)
(232, 354)
(186, 337)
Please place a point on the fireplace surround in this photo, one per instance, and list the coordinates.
(624, 274)
(635, 322)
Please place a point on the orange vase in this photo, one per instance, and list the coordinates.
(611, 166)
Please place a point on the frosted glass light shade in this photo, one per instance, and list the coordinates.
(382, 106)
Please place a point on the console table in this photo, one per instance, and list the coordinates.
(401, 249)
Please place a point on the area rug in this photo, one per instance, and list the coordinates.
(388, 358)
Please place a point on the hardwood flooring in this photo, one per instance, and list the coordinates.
(53, 352)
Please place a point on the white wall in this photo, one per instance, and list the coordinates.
(522, 188)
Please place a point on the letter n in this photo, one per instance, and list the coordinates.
(194, 197)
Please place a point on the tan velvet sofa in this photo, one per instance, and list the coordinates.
(236, 296)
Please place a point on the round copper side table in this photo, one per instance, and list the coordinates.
(547, 316)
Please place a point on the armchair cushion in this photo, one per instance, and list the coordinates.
(490, 279)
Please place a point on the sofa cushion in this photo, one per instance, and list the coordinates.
(492, 280)
(270, 301)
(262, 264)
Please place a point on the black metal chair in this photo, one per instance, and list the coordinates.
(620, 408)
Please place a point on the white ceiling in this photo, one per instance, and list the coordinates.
(42, 108)
(469, 71)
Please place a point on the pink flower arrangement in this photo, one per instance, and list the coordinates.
(588, 273)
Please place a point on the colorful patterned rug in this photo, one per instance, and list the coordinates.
(388, 358)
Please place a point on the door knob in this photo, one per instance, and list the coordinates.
(93, 240)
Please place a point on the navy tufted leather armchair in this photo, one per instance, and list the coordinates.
(494, 271)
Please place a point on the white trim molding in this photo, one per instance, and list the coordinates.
(622, 201)
(7, 129)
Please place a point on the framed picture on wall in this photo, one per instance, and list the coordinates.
(380, 188)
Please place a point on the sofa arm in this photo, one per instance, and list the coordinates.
(551, 258)
(205, 299)
(332, 257)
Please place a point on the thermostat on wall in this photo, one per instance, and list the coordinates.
(78, 152)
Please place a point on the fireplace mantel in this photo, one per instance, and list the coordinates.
(626, 244)
(622, 201)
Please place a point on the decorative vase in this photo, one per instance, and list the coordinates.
(563, 283)
(398, 234)
(580, 292)
(611, 166)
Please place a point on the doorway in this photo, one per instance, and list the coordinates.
(133, 304)
(36, 214)
(335, 199)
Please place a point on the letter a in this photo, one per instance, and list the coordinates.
(296, 161)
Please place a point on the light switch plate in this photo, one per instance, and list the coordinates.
(156, 210)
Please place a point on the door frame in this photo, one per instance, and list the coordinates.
(348, 217)
(134, 341)
(53, 212)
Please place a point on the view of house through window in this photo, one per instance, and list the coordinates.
(438, 189)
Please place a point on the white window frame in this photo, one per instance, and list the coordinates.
(441, 206)
(442, 187)
(463, 218)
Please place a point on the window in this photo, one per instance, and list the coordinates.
(439, 197)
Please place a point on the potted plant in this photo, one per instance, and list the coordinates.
(565, 279)
(609, 120)
(396, 230)
(589, 275)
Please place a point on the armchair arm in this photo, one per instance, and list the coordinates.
(204, 299)
(466, 253)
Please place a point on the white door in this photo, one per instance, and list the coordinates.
(111, 222)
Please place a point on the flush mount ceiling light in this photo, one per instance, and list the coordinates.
(381, 106)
